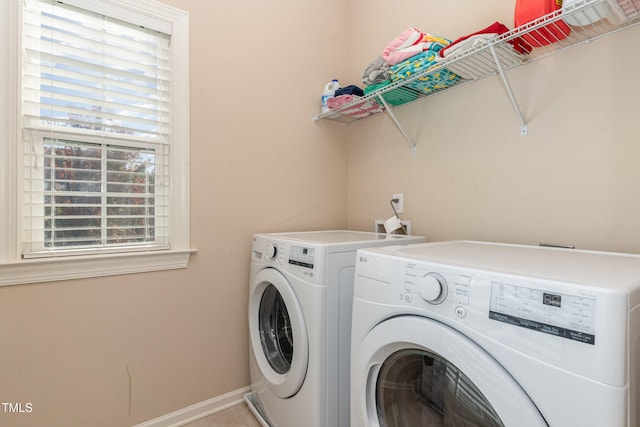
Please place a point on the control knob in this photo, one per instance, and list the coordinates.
(433, 288)
(272, 251)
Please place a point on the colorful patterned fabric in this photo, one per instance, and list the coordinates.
(419, 64)
(394, 97)
(359, 110)
(411, 42)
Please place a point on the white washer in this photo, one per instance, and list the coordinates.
(471, 333)
(300, 299)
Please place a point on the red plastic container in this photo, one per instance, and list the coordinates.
(529, 10)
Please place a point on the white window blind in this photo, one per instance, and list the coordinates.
(96, 111)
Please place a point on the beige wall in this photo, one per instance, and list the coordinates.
(120, 350)
(573, 180)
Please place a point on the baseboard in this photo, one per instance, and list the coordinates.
(249, 399)
(198, 410)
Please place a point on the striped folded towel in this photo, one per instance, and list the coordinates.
(398, 96)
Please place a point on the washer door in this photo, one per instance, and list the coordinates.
(413, 371)
(278, 333)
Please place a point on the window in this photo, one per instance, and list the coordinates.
(95, 196)
(101, 139)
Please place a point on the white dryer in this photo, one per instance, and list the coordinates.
(300, 299)
(494, 335)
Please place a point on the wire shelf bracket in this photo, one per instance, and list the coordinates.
(393, 117)
(507, 86)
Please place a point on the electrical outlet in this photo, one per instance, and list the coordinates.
(399, 205)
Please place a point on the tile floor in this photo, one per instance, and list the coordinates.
(236, 416)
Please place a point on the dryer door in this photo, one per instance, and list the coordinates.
(278, 333)
(413, 371)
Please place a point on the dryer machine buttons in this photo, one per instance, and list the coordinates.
(461, 312)
(433, 288)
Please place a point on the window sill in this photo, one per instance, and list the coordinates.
(79, 267)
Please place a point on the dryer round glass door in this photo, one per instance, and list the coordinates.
(278, 333)
(413, 371)
(418, 387)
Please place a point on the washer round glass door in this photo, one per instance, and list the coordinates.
(414, 372)
(278, 333)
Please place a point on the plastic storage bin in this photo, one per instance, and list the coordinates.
(529, 10)
(585, 16)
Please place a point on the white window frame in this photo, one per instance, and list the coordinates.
(13, 269)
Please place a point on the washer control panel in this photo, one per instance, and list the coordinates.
(300, 260)
(302, 256)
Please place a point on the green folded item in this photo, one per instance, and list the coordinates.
(398, 96)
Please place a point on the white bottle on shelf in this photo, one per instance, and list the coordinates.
(329, 92)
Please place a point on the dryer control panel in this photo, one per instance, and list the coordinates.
(437, 286)
(567, 308)
(561, 314)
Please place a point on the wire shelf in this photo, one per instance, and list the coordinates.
(577, 23)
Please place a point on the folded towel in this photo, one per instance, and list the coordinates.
(434, 81)
(469, 42)
(415, 64)
(349, 90)
(478, 65)
(340, 100)
(412, 42)
(376, 72)
(509, 54)
(428, 83)
(359, 110)
(630, 8)
(491, 31)
(394, 97)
